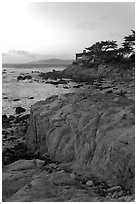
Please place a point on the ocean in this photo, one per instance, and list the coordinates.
(25, 93)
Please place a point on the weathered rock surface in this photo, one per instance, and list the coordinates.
(25, 181)
(13, 138)
(93, 131)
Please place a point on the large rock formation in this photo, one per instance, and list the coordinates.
(93, 131)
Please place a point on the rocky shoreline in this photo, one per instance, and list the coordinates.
(73, 147)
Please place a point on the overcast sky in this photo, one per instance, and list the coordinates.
(34, 31)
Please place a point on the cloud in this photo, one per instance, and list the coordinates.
(19, 56)
(18, 53)
(22, 52)
(92, 24)
(22, 56)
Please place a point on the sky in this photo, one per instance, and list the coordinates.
(34, 31)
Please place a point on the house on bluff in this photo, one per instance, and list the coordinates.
(85, 56)
(93, 57)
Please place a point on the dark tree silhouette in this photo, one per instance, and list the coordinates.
(103, 50)
(129, 43)
(103, 46)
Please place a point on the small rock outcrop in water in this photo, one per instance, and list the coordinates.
(93, 131)
(19, 110)
(24, 77)
(16, 99)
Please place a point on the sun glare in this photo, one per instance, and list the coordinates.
(23, 31)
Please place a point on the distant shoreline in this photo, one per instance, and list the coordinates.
(28, 65)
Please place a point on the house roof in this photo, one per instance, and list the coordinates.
(84, 53)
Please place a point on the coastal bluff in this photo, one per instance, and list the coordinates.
(92, 131)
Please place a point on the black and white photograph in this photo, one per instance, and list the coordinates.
(68, 101)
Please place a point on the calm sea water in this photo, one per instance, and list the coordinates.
(24, 89)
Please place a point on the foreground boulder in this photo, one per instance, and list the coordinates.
(93, 131)
(25, 181)
(19, 110)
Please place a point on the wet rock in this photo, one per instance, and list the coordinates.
(14, 146)
(11, 131)
(24, 77)
(11, 138)
(35, 72)
(19, 110)
(54, 75)
(65, 87)
(5, 97)
(4, 117)
(37, 80)
(77, 86)
(20, 77)
(31, 97)
(4, 132)
(52, 82)
(27, 77)
(11, 117)
(16, 99)
(14, 151)
(23, 118)
(61, 81)
(5, 121)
